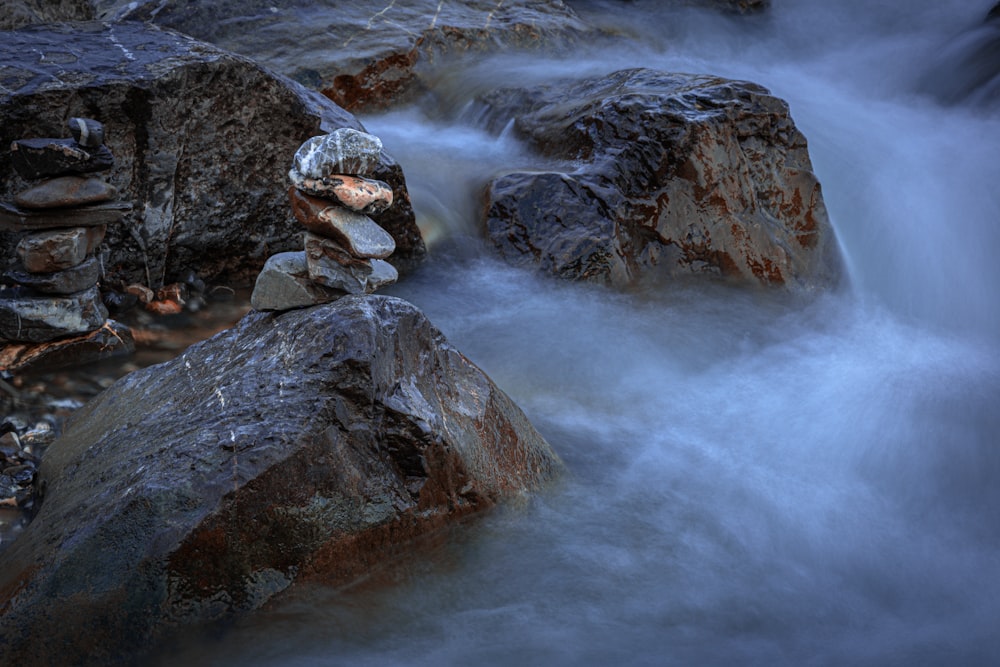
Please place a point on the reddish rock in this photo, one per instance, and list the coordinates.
(674, 175)
(356, 233)
(58, 249)
(363, 195)
(66, 191)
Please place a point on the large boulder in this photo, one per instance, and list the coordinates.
(367, 53)
(305, 444)
(202, 140)
(660, 174)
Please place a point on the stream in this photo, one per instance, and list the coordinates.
(752, 479)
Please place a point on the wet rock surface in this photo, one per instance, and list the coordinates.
(360, 54)
(201, 140)
(663, 174)
(295, 445)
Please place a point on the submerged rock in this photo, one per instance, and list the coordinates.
(662, 174)
(201, 139)
(294, 445)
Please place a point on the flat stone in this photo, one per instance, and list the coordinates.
(17, 219)
(87, 132)
(38, 158)
(350, 279)
(356, 233)
(343, 151)
(66, 191)
(363, 195)
(58, 249)
(284, 284)
(38, 319)
(113, 339)
(317, 246)
(68, 281)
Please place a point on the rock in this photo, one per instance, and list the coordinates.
(38, 158)
(87, 132)
(666, 174)
(33, 319)
(343, 151)
(366, 53)
(331, 265)
(363, 195)
(19, 13)
(74, 279)
(356, 233)
(66, 191)
(284, 284)
(202, 141)
(295, 446)
(111, 340)
(14, 218)
(58, 249)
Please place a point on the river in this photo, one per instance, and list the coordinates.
(751, 479)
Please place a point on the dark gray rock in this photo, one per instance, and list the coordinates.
(293, 446)
(661, 174)
(19, 13)
(284, 283)
(39, 158)
(202, 140)
(38, 319)
(362, 54)
(58, 249)
(15, 218)
(86, 131)
(75, 279)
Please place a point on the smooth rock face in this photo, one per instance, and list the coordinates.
(343, 151)
(38, 158)
(667, 174)
(58, 249)
(363, 195)
(33, 319)
(203, 162)
(284, 283)
(73, 279)
(293, 446)
(66, 191)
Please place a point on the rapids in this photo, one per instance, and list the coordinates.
(752, 479)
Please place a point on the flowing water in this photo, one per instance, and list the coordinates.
(752, 479)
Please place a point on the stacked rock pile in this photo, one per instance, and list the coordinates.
(332, 194)
(64, 216)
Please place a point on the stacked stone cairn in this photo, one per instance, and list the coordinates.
(332, 194)
(52, 307)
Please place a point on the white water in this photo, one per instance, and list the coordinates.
(751, 481)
